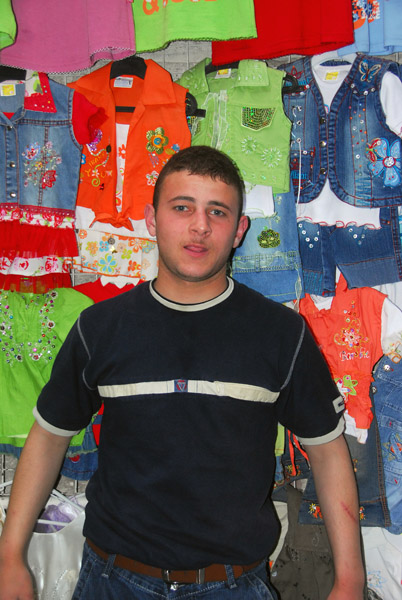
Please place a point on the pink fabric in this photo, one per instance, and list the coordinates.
(69, 35)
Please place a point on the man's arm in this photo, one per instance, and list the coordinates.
(337, 494)
(34, 479)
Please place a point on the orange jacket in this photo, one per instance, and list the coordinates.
(157, 129)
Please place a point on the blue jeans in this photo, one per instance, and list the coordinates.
(268, 259)
(366, 257)
(386, 394)
(101, 580)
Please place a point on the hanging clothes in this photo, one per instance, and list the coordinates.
(244, 118)
(297, 27)
(377, 27)
(32, 330)
(157, 129)
(8, 26)
(59, 37)
(159, 22)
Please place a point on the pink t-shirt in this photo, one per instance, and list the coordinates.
(57, 37)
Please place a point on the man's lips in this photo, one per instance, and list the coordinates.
(196, 249)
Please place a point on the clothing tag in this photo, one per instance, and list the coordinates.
(223, 73)
(123, 82)
(331, 75)
(7, 89)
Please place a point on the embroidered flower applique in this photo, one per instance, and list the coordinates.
(385, 160)
(157, 140)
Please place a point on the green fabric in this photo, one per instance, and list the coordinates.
(8, 26)
(244, 118)
(32, 330)
(158, 22)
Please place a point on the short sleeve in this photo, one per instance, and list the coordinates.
(87, 118)
(310, 404)
(66, 403)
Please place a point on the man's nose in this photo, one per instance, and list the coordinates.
(201, 222)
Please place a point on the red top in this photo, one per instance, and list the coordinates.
(291, 27)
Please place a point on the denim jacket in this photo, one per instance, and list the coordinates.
(350, 144)
(40, 156)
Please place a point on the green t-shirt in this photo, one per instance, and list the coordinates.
(32, 330)
(8, 26)
(158, 22)
(244, 118)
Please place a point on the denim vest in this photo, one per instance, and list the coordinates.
(40, 157)
(352, 144)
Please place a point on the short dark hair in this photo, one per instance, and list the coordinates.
(204, 161)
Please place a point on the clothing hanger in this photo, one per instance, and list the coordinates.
(7, 73)
(135, 65)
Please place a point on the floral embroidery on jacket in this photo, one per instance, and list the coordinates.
(385, 160)
(40, 165)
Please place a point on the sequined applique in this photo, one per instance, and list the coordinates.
(269, 238)
(156, 140)
(257, 118)
(42, 348)
(40, 165)
(315, 511)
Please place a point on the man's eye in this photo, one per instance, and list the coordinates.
(217, 212)
(180, 207)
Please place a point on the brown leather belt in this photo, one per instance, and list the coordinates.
(214, 572)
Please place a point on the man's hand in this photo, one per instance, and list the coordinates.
(15, 581)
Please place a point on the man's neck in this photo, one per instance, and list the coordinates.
(190, 292)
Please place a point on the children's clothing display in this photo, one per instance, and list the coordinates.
(8, 26)
(386, 396)
(244, 118)
(157, 129)
(268, 259)
(353, 330)
(32, 330)
(377, 27)
(298, 27)
(361, 161)
(44, 125)
(158, 22)
(69, 36)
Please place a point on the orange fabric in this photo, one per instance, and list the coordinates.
(158, 129)
(349, 336)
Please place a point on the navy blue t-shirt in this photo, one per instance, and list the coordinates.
(192, 397)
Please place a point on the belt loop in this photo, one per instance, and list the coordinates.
(230, 576)
(109, 566)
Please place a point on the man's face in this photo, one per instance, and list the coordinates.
(196, 226)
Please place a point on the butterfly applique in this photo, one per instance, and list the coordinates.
(368, 74)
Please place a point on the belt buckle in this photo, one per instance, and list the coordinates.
(199, 578)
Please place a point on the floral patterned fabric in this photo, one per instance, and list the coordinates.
(115, 255)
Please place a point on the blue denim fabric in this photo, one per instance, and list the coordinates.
(80, 467)
(366, 257)
(368, 466)
(386, 396)
(352, 144)
(273, 267)
(32, 138)
(100, 580)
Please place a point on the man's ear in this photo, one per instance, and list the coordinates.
(149, 214)
(242, 227)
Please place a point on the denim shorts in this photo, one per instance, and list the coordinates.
(101, 580)
(366, 257)
(386, 396)
(268, 259)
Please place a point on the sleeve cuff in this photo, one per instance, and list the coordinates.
(324, 439)
(51, 428)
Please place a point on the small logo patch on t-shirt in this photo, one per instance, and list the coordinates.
(181, 385)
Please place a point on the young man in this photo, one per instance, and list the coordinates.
(195, 372)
